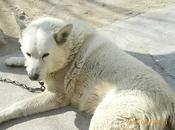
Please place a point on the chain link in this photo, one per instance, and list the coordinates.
(24, 86)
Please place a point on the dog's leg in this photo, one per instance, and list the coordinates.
(15, 61)
(40, 103)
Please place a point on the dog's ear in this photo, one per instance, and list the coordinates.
(20, 24)
(62, 35)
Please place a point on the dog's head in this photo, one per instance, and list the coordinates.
(45, 46)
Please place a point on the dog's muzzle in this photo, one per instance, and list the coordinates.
(34, 76)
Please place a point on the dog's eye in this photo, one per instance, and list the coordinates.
(28, 54)
(45, 55)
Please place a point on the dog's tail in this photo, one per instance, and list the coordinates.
(15, 61)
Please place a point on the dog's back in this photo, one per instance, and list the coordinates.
(121, 91)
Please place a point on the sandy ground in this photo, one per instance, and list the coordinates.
(96, 12)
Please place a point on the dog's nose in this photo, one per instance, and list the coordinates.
(34, 77)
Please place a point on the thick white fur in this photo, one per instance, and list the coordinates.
(91, 73)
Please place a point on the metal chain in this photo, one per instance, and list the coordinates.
(24, 86)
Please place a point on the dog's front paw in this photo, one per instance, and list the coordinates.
(2, 38)
(7, 114)
(1, 120)
(2, 116)
(10, 61)
(15, 61)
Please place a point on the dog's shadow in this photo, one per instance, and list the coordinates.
(81, 121)
(12, 46)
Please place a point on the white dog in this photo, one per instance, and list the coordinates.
(81, 67)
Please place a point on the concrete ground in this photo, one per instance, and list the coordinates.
(149, 37)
